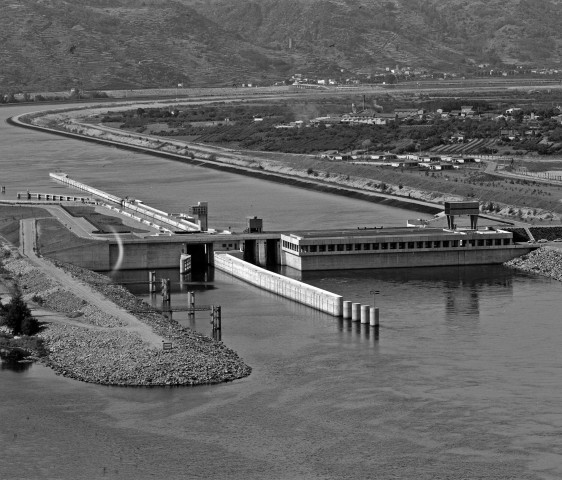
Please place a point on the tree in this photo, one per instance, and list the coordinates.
(17, 316)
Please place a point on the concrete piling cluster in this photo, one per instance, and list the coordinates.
(361, 313)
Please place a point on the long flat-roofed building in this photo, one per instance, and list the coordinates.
(397, 247)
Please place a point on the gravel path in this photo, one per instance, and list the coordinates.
(81, 291)
(89, 342)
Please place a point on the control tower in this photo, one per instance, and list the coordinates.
(201, 212)
(453, 209)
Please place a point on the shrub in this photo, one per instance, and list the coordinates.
(17, 316)
(37, 299)
(29, 326)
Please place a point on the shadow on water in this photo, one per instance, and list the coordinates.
(15, 366)
(358, 330)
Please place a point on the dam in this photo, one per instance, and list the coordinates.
(170, 235)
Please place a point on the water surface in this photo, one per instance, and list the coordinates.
(463, 380)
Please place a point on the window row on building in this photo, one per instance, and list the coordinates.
(417, 245)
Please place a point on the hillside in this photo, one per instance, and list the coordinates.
(97, 44)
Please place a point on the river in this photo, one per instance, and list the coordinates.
(463, 380)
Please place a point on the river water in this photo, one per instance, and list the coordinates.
(463, 381)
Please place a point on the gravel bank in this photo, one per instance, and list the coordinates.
(544, 261)
(92, 346)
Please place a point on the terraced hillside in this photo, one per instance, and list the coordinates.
(55, 44)
(96, 44)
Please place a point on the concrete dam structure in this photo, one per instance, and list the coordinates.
(174, 234)
(168, 238)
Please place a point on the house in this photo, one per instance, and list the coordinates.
(440, 166)
(388, 157)
(432, 159)
(467, 111)
(458, 138)
(404, 164)
(402, 113)
(509, 134)
(364, 117)
(533, 131)
(385, 118)
(297, 124)
(328, 120)
(341, 156)
(409, 156)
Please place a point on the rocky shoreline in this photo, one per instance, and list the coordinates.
(544, 261)
(91, 346)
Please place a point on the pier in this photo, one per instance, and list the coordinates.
(52, 197)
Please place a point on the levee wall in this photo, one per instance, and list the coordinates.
(285, 287)
(403, 259)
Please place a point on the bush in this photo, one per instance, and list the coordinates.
(29, 326)
(37, 299)
(17, 316)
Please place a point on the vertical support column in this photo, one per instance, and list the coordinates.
(166, 296)
(346, 309)
(355, 312)
(216, 322)
(209, 253)
(374, 317)
(191, 304)
(151, 282)
(261, 254)
(365, 312)
(474, 222)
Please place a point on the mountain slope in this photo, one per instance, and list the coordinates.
(96, 44)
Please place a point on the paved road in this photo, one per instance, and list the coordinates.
(81, 290)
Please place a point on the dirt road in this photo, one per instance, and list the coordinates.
(85, 292)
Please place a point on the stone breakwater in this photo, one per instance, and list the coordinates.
(543, 261)
(91, 346)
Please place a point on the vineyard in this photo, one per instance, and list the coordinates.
(474, 146)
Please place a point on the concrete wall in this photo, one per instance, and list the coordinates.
(403, 259)
(286, 287)
(93, 256)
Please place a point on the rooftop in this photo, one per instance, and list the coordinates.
(383, 232)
